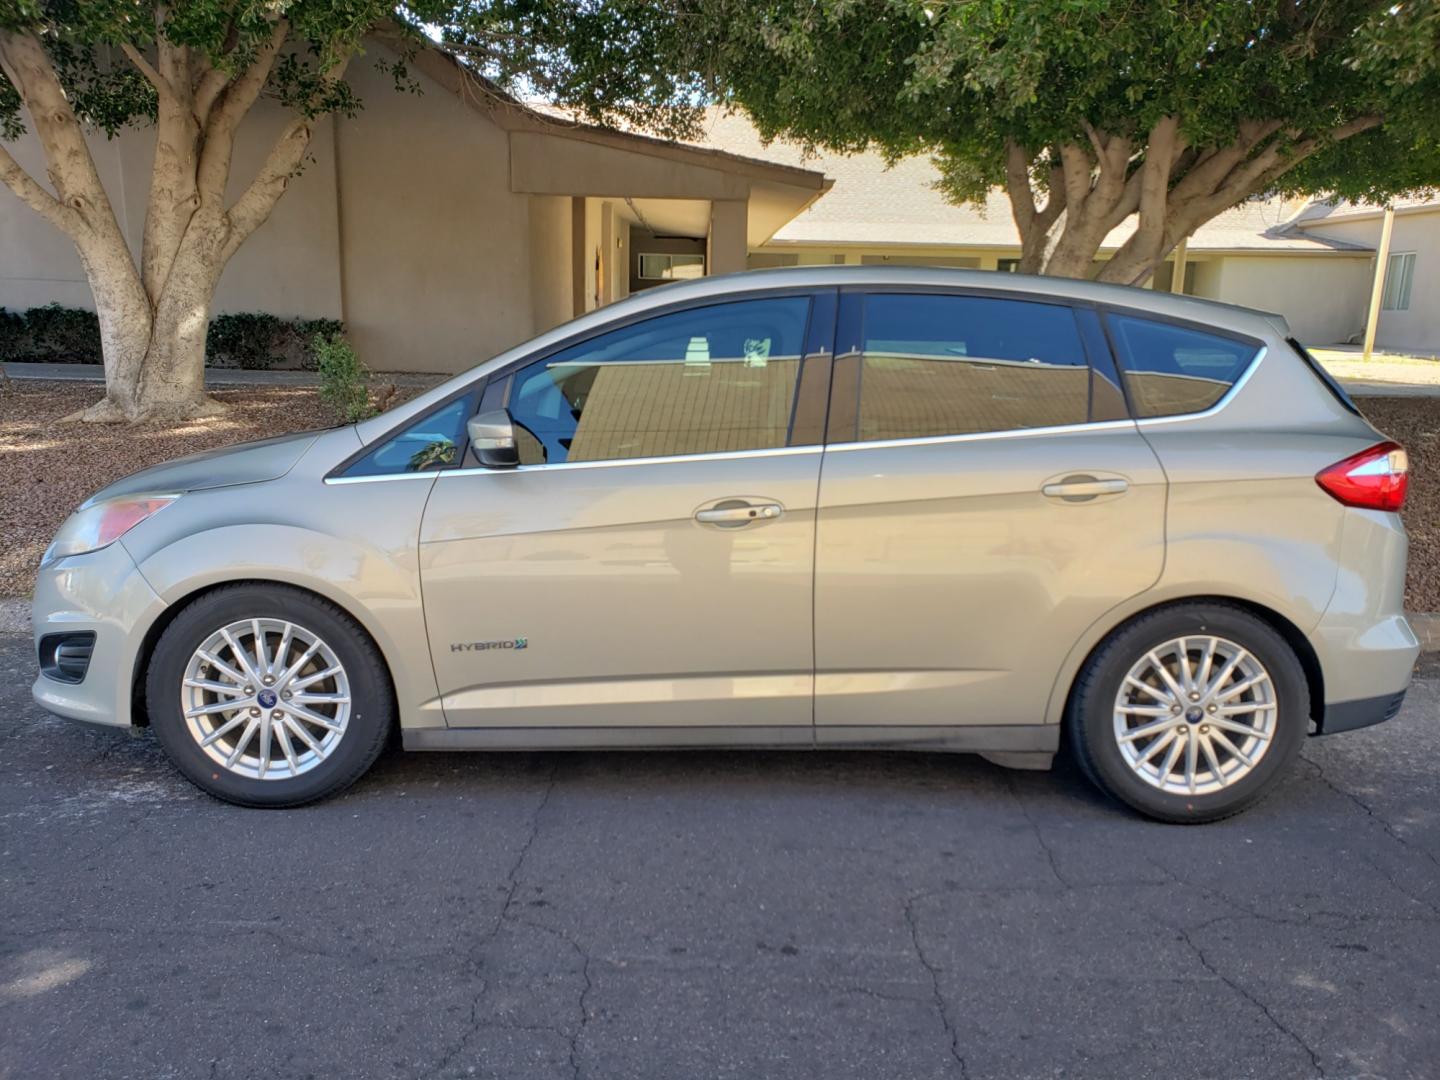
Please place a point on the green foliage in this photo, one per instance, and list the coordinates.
(963, 78)
(257, 340)
(630, 61)
(343, 378)
(50, 335)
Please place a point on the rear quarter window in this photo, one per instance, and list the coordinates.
(1172, 370)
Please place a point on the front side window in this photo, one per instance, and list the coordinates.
(954, 365)
(703, 380)
(1170, 370)
(432, 442)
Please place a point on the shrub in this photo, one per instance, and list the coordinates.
(256, 340)
(246, 340)
(343, 378)
(12, 334)
(50, 335)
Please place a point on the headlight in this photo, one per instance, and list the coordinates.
(94, 527)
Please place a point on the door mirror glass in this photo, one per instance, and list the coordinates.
(492, 437)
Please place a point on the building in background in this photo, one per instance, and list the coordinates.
(1312, 263)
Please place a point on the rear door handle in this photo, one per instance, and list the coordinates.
(734, 513)
(1083, 487)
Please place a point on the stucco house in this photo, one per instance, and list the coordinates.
(444, 226)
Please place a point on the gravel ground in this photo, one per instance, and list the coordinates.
(1415, 423)
(50, 467)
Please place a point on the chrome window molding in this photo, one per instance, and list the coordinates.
(381, 478)
(984, 436)
(1225, 399)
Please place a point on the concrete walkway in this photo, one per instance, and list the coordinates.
(217, 376)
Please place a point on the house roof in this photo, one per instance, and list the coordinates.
(873, 203)
(511, 114)
(1318, 213)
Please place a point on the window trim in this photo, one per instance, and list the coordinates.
(1260, 347)
(1409, 283)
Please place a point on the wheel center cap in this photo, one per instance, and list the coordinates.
(267, 699)
(1194, 715)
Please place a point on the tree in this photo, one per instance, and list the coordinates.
(1089, 112)
(194, 69)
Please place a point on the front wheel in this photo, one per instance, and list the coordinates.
(1190, 713)
(264, 695)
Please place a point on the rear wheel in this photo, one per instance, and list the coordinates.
(1190, 713)
(264, 695)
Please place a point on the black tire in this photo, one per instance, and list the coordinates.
(1089, 717)
(372, 715)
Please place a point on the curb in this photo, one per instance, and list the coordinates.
(15, 619)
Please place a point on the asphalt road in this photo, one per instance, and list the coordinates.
(684, 916)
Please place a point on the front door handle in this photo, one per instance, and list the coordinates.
(734, 513)
(1083, 487)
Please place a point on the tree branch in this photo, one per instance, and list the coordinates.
(229, 110)
(152, 76)
(34, 195)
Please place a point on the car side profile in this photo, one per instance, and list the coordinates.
(814, 507)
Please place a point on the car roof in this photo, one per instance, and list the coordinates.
(1158, 302)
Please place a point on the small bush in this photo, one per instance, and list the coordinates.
(257, 341)
(246, 340)
(343, 378)
(50, 335)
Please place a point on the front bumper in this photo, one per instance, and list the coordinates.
(103, 593)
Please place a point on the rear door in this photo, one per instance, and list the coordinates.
(651, 562)
(984, 499)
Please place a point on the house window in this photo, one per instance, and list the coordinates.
(1399, 273)
(656, 267)
(1008, 266)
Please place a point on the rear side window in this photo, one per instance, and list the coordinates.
(1171, 370)
(955, 365)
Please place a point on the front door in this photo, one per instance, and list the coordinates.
(650, 564)
(984, 500)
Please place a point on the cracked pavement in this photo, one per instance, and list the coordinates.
(739, 915)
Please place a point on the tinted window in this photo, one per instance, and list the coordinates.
(1171, 370)
(432, 442)
(951, 365)
(698, 381)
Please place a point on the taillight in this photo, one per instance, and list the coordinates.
(1374, 479)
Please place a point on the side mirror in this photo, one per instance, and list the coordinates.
(492, 437)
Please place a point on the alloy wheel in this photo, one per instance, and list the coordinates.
(265, 698)
(1195, 715)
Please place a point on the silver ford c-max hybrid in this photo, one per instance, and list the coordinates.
(838, 507)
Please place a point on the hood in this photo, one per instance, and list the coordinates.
(244, 463)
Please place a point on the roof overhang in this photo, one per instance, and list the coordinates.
(551, 155)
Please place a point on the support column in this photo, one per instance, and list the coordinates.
(726, 247)
(578, 255)
(1177, 276)
(1377, 289)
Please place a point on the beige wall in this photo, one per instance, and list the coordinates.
(1321, 296)
(435, 246)
(289, 267)
(550, 283)
(1418, 327)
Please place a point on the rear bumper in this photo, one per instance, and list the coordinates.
(1349, 715)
